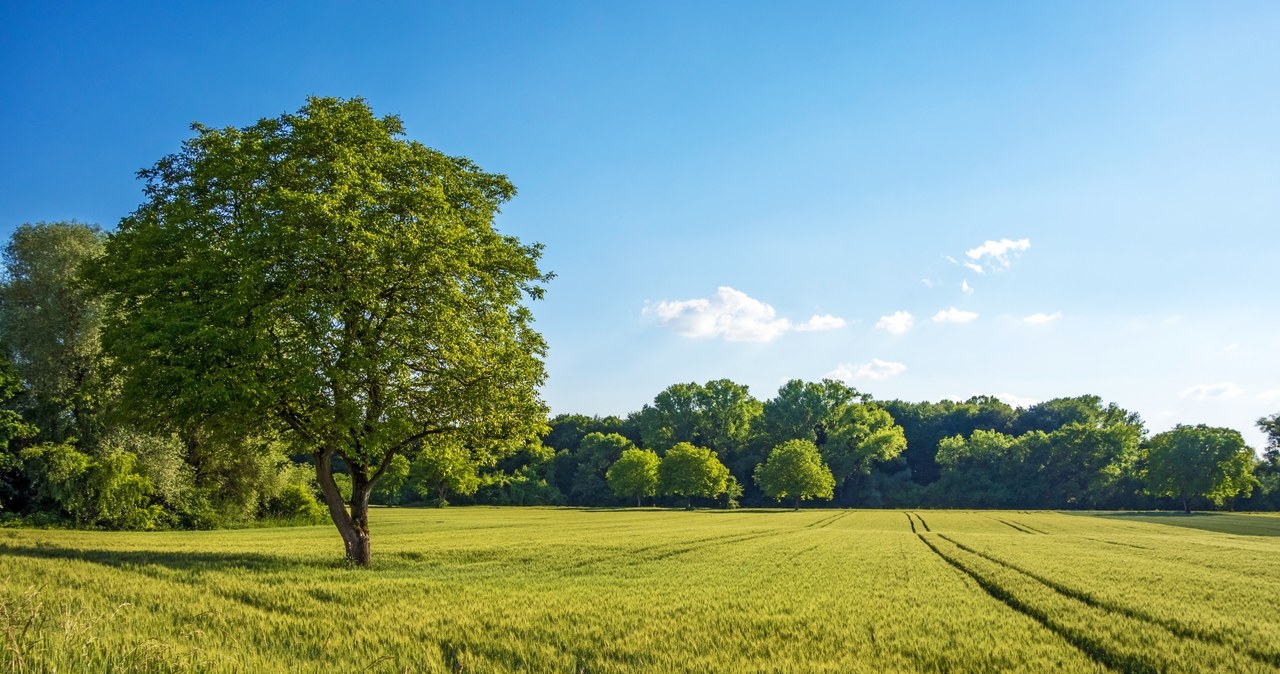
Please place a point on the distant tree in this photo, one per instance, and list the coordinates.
(805, 411)
(318, 273)
(925, 424)
(1198, 461)
(442, 468)
(635, 473)
(1086, 410)
(1271, 426)
(673, 417)
(50, 321)
(691, 471)
(720, 415)
(794, 470)
(596, 453)
(393, 480)
(859, 435)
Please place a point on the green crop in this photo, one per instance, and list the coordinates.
(565, 590)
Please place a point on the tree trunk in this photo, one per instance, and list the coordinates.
(353, 526)
(1186, 505)
(638, 497)
(689, 505)
(797, 503)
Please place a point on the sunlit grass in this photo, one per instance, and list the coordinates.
(512, 590)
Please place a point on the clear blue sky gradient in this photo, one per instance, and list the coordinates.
(823, 158)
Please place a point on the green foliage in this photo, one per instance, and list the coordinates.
(634, 474)
(12, 428)
(858, 436)
(393, 480)
(318, 273)
(1198, 461)
(795, 470)
(105, 491)
(49, 323)
(596, 453)
(442, 468)
(689, 471)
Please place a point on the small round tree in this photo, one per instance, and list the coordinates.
(1192, 461)
(795, 470)
(691, 471)
(634, 474)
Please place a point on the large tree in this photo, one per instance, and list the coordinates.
(795, 470)
(49, 323)
(1199, 461)
(318, 271)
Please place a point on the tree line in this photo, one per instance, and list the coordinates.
(1066, 453)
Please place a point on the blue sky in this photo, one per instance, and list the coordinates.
(710, 177)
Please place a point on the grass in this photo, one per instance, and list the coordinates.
(563, 590)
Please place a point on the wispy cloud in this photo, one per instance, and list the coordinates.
(1042, 319)
(966, 288)
(1268, 396)
(733, 316)
(874, 371)
(896, 323)
(954, 315)
(995, 255)
(1222, 391)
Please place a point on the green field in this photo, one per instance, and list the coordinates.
(509, 590)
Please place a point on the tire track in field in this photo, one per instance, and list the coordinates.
(911, 522)
(922, 522)
(1087, 598)
(1011, 525)
(832, 520)
(1092, 648)
(826, 520)
(674, 548)
(1124, 545)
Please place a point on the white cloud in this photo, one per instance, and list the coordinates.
(1268, 396)
(896, 323)
(734, 316)
(875, 370)
(1222, 391)
(1015, 401)
(954, 315)
(823, 322)
(996, 254)
(1042, 319)
(966, 288)
(926, 282)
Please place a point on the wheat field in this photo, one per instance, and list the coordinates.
(570, 590)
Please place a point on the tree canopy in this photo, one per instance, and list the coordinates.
(689, 471)
(318, 272)
(795, 470)
(1198, 461)
(634, 474)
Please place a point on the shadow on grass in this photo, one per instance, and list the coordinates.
(1225, 523)
(178, 561)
